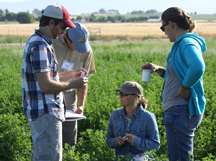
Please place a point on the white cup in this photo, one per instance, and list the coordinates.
(146, 74)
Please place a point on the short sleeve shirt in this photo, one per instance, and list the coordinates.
(39, 57)
(78, 60)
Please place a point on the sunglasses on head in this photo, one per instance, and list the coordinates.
(163, 26)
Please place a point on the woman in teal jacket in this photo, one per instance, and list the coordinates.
(182, 93)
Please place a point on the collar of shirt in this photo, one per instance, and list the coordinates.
(45, 37)
(136, 114)
(63, 42)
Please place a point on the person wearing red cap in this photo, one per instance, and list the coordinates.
(41, 87)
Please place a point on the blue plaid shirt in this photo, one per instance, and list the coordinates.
(39, 57)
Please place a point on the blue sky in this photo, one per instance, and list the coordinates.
(123, 6)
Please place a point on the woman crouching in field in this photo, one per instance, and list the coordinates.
(182, 93)
(132, 129)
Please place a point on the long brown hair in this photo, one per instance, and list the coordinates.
(143, 101)
(178, 16)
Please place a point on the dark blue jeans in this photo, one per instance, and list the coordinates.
(180, 128)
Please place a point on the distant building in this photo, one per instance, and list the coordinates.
(153, 19)
(82, 20)
(111, 12)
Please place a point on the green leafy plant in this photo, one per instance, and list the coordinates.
(115, 64)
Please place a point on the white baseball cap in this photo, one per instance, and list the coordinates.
(59, 12)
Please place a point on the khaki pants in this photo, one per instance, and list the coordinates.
(46, 133)
(69, 128)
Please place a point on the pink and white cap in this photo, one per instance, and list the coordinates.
(59, 12)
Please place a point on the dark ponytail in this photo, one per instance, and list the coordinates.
(143, 102)
(180, 17)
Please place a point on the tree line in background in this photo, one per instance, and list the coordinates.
(26, 17)
(21, 17)
(115, 18)
(103, 11)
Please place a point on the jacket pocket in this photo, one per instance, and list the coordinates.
(117, 131)
(139, 131)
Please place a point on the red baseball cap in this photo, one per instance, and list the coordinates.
(59, 12)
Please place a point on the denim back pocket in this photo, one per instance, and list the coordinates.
(194, 121)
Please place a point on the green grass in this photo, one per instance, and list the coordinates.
(115, 64)
(12, 39)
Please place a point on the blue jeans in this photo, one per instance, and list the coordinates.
(47, 138)
(180, 128)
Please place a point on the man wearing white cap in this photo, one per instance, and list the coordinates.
(72, 48)
(41, 86)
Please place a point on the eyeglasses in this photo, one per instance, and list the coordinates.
(163, 26)
(124, 95)
(63, 26)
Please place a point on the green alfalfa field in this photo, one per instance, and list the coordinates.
(115, 64)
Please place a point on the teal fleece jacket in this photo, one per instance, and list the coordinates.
(189, 66)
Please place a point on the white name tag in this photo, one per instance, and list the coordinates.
(66, 65)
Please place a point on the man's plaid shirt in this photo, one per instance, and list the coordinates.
(39, 57)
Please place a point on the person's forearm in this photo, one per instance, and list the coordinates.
(56, 87)
(111, 142)
(154, 68)
(196, 66)
(145, 144)
(51, 86)
(82, 93)
(151, 139)
(71, 74)
(110, 137)
(64, 76)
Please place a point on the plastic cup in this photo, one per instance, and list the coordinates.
(146, 74)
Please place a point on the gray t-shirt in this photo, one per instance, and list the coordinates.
(172, 84)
